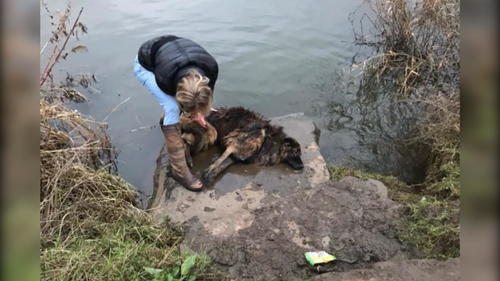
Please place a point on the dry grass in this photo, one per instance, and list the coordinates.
(90, 227)
(417, 61)
(416, 45)
(75, 161)
(440, 129)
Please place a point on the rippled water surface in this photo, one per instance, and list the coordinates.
(275, 57)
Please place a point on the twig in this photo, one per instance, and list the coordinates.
(140, 128)
(43, 48)
(73, 149)
(116, 107)
(51, 63)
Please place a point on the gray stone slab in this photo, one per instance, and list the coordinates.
(233, 188)
(257, 222)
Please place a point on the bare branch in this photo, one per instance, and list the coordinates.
(56, 53)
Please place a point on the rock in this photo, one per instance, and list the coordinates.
(367, 185)
(257, 224)
(302, 128)
(268, 242)
(405, 270)
(162, 183)
(278, 178)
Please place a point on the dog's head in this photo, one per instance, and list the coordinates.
(198, 138)
(290, 153)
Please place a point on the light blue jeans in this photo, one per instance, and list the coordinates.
(167, 102)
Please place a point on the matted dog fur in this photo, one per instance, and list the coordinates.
(245, 136)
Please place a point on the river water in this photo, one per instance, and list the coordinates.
(275, 57)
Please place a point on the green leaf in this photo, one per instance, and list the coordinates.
(192, 278)
(152, 270)
(187, 265)
(79, 48)
(170, 277)
(175, 271)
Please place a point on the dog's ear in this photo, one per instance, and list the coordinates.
(288, 141)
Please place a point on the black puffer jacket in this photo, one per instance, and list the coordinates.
(171, 57)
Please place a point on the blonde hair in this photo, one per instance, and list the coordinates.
(193, 93)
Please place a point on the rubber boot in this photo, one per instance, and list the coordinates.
(177, 157)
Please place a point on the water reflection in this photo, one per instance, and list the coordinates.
(380, 126)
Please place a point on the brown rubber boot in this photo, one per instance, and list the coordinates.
(177, 157)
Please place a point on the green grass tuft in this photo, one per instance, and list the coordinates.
(114, 251)
(123, 250)
(443, 175)
(433, 228)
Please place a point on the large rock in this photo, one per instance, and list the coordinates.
(403, 270)
(258, 226)
(348, 219)
(181, 204)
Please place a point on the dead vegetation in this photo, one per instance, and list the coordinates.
(65, 28)
(75, 164)
(416, 60)
(440, 130)
(90, 225)
(416, 43)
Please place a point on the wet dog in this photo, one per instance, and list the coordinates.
(244, 136)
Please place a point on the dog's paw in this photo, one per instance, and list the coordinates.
(207, 177)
